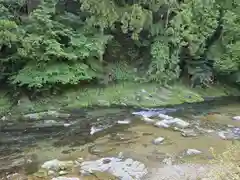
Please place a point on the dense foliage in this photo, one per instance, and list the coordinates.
(50, 43)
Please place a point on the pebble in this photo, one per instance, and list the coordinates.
(63, 173)
(190, 152)
(236, 118)
(158, 140)
(188, 133)
(127, 121)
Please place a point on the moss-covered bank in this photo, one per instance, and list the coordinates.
(132, 94)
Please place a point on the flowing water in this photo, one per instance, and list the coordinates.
(27, 143)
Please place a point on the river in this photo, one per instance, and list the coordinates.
(66, 143)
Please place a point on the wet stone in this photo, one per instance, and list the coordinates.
(161, 124)
(236, 118)
(125, 170)
(230, 134)
(57, 165)
(148, 120)
(158, 140)
(189, 133)
(63, 173)
(51, 173)
(190, 152)
(126, 121)
(106, 161)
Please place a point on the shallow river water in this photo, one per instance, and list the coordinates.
(122, 137)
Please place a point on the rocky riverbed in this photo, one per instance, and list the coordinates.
(118, 143)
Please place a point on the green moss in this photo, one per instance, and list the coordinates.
(142, 95)
(5, 103)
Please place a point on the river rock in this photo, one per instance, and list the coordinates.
(15, 176)
(236, 118)
(174, 122)
(181, 123)
(190, 152)
(158, 140)
(62, 173)
(161, 124)
(148, 120)
(124, 170)
(95, 129)
(230, 134)
(51, 173)
(126, 121)
(57, 165)
(148, 114)
(164, 116)
(188, 133)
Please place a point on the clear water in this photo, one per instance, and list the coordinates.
(21, 143)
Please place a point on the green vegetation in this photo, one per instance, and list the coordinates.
(49, 47)
(131, 94)
(228, 164)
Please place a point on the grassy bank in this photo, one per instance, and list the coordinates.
(141, 95)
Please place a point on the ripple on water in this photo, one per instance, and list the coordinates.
(132, 141)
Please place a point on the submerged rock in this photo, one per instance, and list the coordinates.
(158, 140)
(124, 170)
(62, 173)
(57, 165)
(180, 123)
(188, 133)
(154, 112)
(190, 152)
(174, 122)
(148, 114)
(148, 120)
(162, 124)
(164, 116)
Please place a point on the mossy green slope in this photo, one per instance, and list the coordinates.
(129, 94)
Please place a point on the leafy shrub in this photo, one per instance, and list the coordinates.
(55, 43)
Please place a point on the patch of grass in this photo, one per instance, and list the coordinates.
(133, 94)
